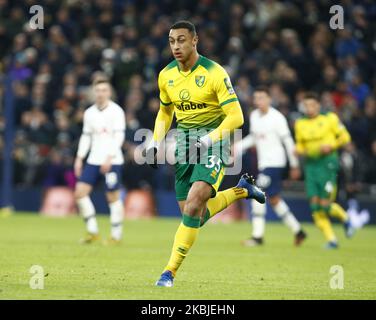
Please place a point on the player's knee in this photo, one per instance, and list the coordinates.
(80, 192)
(197, 198)
(274, 200)
(325, 205)
(194, 204)
(314, 205)
(193, 207)
(112, 196)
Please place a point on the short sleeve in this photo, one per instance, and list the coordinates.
(282, 127)
(119, 124)
(163, 95)
(223, 87)
(86, 129)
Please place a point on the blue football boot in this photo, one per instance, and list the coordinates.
(166, 279)
(331, 245)
(254, 192)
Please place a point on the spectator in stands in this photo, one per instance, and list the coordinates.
(284, 44)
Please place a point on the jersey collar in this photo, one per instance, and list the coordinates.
(186, 74)
(99, 109)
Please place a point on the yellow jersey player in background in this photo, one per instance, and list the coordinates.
(318, 137)
(207, 109)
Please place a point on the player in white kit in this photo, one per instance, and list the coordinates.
(103, 135)
(270, 133)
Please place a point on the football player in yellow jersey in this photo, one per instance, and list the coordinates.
(318, 137)
(199, 92)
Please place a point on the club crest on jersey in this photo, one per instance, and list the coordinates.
(200, 80)
(184, 95)
(228, 85)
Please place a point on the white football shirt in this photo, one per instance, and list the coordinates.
(271, 135)
(103, 134)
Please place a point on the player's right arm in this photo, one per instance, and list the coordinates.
(83, 146)
(162, 123)
(299, 146)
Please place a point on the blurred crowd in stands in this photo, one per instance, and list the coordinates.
(287, 45)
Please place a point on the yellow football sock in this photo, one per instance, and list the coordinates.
(184, 238)
(222, 200)
(323, 223)
(336, 211)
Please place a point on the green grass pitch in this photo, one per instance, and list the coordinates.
(218, 267)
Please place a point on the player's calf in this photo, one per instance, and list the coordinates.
(87, 211)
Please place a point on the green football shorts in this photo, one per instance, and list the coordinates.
(321, 177)
(212, 172)
(210, 168)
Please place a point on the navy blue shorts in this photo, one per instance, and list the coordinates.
(91, 174)
(270, 180)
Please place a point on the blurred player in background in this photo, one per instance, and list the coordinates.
(270, 133)
(318, 137)
(200, 93)
(102, 135)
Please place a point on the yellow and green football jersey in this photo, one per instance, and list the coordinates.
(312, 133)
(198, 94)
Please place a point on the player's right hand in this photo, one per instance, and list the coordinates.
(151, 157)
(294, 173)
(326, 149)
(78, 167)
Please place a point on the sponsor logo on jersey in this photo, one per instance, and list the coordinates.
(170, 83)
(200, 80)
(184, 95)
(189, 105)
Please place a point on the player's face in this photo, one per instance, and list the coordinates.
(102, 93)
(261, 100)
(311, 107)
(182, 44)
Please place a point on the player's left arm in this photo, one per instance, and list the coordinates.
(116, 142)
(287, 140)
(342, 136)
(118, 134)
(230, 105)
(234, 119)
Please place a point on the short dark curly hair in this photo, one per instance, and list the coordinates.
(185, 24)
(311, 95)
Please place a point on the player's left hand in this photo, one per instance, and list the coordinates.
(326, 149)
(106, 167)
(294, 173)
